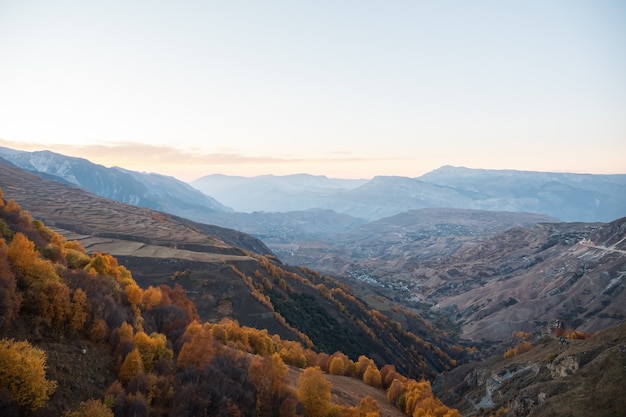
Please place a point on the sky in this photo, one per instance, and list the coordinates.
(347, 89)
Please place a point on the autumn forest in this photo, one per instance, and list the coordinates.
(153, 355)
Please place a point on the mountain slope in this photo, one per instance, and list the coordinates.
(227, 275)
(489, 273)
(388, 249)
(566, 377)
(566, 196)
(526, 277)
(149, 190)
(81, 212)
(78, 333)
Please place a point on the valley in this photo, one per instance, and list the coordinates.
(440, 293)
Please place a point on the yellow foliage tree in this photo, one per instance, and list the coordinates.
(152, 348)
(314, 393)
(106, 265)
(368, 407)
(90, 408)
(126, 332)
(198, 350)
(361, 365)
(51, 301)
(23, 374)
(151, 297)
(133, 293)
(336, 366)
(131, 366)
(293, 353)
(267, 376)
(144, 344)
(76, 259)
(21, 252)
(103, 264)
(372, 376)
(27, 262)
(78, 314)
(521, 347)
(45, 293)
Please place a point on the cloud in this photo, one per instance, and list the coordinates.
(190, 164)
(138, 153)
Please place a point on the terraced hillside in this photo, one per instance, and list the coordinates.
(228, 274)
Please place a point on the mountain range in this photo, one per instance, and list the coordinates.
(567, 197)
(319, 206)
(153, 191)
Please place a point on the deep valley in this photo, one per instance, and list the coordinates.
(504, 312)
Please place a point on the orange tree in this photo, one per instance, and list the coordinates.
(23, 374)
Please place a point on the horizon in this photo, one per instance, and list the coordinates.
(189, 181)
(349, 90)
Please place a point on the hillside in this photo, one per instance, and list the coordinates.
(553, 271)
(79, 337)
(228, 275)
(387, 249)
(491, 284)
(557, 377)
(487, 273)
(150, 190)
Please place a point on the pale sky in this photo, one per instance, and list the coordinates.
(340, 88)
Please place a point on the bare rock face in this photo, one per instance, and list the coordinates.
(576, 378)
(527, 401)
(564, 366)
(527, 277)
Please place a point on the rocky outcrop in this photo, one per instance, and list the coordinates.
(577, 378)
(564, 366)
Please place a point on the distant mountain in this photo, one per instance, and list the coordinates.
(386, 196)
(154, 191)
(84, 213)
(273, 193)
(283, 209)
(567, 197)
(159, 192)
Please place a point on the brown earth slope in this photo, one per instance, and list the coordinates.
(226, 274)
(527, 277)
(556, 378)
(483, 272)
